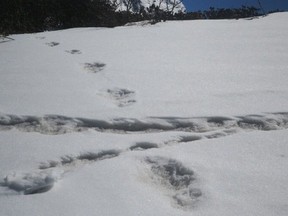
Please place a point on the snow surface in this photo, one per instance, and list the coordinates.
(177, 118)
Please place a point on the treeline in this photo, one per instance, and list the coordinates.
(225, 13)
(18, 16)
(212, 13)
(23, 16)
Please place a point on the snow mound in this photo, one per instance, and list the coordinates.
(55, 124)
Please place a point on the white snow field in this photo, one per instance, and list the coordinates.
(178, 118)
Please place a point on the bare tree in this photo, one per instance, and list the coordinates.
(131, 5)
(171, 5)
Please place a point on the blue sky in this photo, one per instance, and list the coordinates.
(195, 5)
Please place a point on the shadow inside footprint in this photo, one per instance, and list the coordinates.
(124, 97)
(143, 146)
(52, 44)
(95, 156)
(73, 51)
(31, 183)
(118, 93)
(94, 67)
(39, 189)
(189, 138)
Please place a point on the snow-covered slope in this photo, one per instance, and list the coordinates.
(178, 118)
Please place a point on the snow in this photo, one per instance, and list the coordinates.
(177, 118)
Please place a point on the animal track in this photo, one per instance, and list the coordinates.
(176, 178)
(55, 124)
(172, 174)
(50, 172)
(31, 183)
(94, 67)
(87, 156)
(189, 138)
(52, 44)
(123, 97)
(73, 51)
(179, 181)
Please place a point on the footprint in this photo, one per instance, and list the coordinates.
(32, 183)
(92, 156)
(73, 51)
(69, 160)
(43, 180)
(94, 67)
(123, 97)
(176, 178)
(52, 44)
(143, 146)
(190, 138)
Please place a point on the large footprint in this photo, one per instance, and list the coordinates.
(176, 178)
(33, 182)
(123, 97)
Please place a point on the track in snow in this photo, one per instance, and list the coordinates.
(55, 124)
(52, 44)
(180, 182)
(94, 67)
(123, 97)
(73, 51)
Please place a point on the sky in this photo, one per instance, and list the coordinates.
(268, 5)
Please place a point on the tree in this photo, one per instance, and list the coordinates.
(21, 16)
(171, 5)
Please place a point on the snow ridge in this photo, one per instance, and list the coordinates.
(55, 124)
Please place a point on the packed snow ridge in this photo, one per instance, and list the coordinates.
(54, 124)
